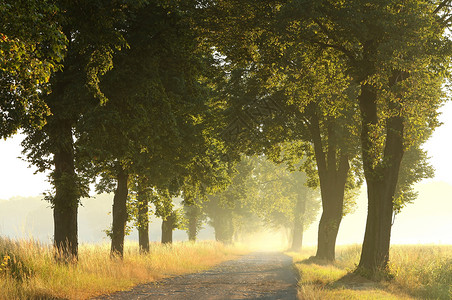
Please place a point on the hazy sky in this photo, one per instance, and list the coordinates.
(428, 220)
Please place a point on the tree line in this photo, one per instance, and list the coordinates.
(152, 99)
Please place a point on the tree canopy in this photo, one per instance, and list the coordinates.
(32, 46)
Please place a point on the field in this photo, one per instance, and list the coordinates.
(27, 269)
(419, 272)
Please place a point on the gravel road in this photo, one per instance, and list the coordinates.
(260, 275)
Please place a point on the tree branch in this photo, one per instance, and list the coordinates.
(337, 46)
(440, 6)
(318, 147)
(342, 49)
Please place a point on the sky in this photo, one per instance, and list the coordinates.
(428, 220)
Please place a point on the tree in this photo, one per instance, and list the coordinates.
(171, 218)
(284, 199)
(262, 194)
(120, 215)
(142, 117)
(195, 219)
(168, 225)
(400, 90)
(224, 206)
(318, 111)
(91, 29)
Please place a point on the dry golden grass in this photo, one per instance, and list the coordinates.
(420, 272)
(32, 273)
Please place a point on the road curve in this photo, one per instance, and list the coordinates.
(262, 275)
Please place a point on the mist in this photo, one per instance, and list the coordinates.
(421, 222)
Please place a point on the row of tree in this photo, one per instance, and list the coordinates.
(156, 98)
(261, 195)
(361, 81)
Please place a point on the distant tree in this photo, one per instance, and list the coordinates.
(284, 199)
(224, 206)
(195, 219)
(141, 194)
(262, 194)
(172, 218)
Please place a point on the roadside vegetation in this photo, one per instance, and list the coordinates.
(28, 270)
(418, 272)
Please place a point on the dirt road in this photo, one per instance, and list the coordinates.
(254, 276)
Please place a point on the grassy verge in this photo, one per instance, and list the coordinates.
(27, 269)
(420, 272)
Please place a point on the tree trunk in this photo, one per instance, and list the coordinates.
(119, 214)
(375, 250)
(65, 202)
(298, 226)
(167, 230)
(381, 185)
(329, 228)
(333, 167)
(332, 191)
(194, 214)
(143, 220)
(224, 230)
(192, 228)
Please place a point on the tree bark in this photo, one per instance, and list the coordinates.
(333, 167)
(381, 181)
(66, 200)
(298, 226)
(329, 228)
(194, 214)
(168, 225)
(192, 228)
(143, 220)
(119, 214)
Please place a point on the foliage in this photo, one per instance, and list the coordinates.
(261, 194)
(414, 168)
(32, 46)
(225, 207)
(74, 87)
(279, 190)
(374, 49)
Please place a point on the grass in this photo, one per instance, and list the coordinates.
(28, 271)
(420, 272)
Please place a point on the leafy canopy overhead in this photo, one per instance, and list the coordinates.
(32, 47)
